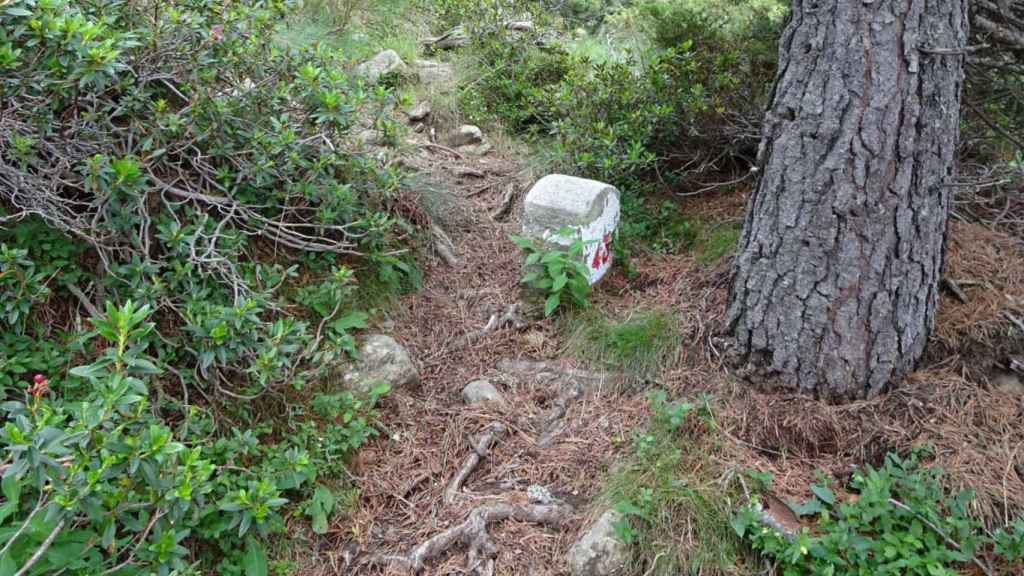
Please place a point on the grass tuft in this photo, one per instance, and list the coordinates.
(719, 242)
(639, 346)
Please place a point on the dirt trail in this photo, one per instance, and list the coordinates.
(430, 431)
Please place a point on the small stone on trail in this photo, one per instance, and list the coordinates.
(588, 207)
(419, 112)
(384, 63)
(480, 391)
(465, 135)
(600, 552)
(381, 360)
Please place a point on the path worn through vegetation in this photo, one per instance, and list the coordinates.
(506, 489)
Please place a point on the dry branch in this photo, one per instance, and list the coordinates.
(507, 201)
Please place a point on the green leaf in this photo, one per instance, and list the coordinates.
(351, 320)
(522, 242)
(320, 508)
(552, 302)
(739, 524)
(824, 494)
(88, 372)
(254, 563)
(551, 257)
(560, 282)
(533, 259)
(18, 11)
(812, 506)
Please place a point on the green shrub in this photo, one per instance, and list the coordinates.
(515, 84)
(695, 93)
(120, 490)
(176, 155)
(900, 522)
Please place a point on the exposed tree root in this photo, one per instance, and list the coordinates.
(553, 421)
(571, 382)
(443, 245)
(508, 199)
(473, 534)
(512, 316)
(480, 450)
(555, 371)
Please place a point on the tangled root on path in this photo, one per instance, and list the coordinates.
(976, 436)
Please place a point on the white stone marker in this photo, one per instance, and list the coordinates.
(590, 208)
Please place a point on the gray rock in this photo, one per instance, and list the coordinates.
(384, 63)
(600, 552)
(381, 359)
(587, 207)
(437, 74)
(465, 135)
(454, 38)
(419, 112)
(480, 391)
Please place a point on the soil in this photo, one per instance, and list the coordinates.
(976, 430)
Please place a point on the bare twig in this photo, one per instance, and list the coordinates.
(553, 421)
(507, 201)
(42, 549)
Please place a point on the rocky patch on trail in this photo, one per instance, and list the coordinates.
(385, 63)
(600, 551)
(439, 75)
(419, 112)
(482, 392)
(468, 139)
(381, 360)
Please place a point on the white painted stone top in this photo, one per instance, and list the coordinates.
(589, 207)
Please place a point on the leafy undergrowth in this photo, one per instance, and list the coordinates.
(192, 237)
(676, 508)
(895, 519)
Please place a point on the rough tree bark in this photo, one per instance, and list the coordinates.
(837, 273)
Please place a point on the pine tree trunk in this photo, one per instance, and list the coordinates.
(837, 272)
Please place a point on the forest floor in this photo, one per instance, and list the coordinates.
(574, 445)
